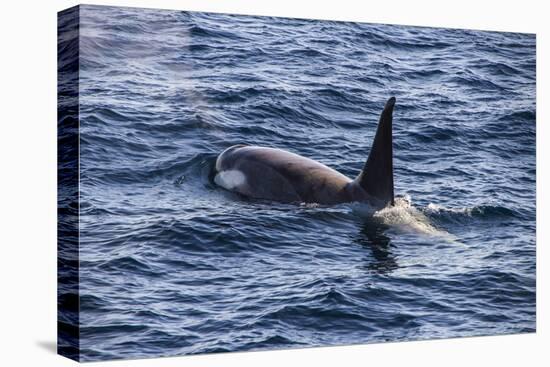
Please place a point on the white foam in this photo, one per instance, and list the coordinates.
(403, 217)
(438, 209)
(230, 179)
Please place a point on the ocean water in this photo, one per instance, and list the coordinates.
(171, 264)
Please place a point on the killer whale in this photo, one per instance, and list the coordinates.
(278, 175)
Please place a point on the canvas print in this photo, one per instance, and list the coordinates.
(237, 183)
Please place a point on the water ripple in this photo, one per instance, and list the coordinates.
(170, 264)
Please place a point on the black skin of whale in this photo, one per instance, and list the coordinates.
(278, 175)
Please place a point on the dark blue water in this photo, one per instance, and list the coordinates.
(171, 264)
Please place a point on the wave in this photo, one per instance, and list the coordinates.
(522, 115)
(464, 214)
(427, 43)
(203, 32)
(404, 217)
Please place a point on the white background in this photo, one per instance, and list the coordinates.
(28, 182)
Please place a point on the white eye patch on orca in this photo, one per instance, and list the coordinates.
(230, 179)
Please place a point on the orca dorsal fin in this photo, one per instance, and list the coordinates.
(376, 178)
